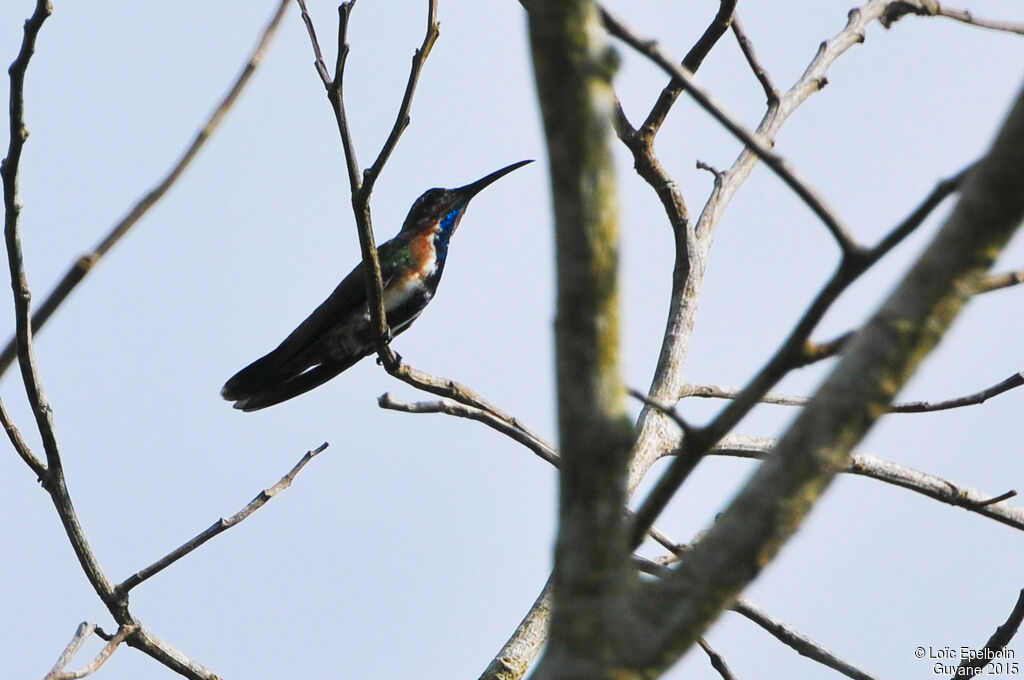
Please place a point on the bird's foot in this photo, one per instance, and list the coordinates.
(396, 361)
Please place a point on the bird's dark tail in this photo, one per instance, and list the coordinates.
(266, 382)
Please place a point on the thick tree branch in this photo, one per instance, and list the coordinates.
(572, 69)
(657, 435)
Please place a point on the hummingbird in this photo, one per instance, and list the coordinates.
(338, 333)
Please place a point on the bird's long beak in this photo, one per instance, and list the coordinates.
(471, 190)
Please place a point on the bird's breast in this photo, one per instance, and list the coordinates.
(414, 280)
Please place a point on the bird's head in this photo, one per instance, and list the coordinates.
(440, 210)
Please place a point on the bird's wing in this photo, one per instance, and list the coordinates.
(301, 350)
(347, 299)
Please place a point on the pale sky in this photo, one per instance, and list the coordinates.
(415, 543)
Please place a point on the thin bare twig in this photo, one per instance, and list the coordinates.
(77, 272)
(784, 632)
(771, 92)
(691, 62)
(108, 649)
(717, 662)
(973, 665)
(53, 477)
(19, 443)
(785, 171)
(82, 633)
(507, 426)
(999, 281)
(218, 527)
(12, 214)
(967, 17)
(321, 67)
(402, 118)
(362, 187)
(980, 397)
(669, 411)
(814, 352)
(799, 642)
(454, 408)
(817, 351)
(867, 465)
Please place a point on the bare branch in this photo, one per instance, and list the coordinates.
(82, 633)
(787, 357)
(814, 352)
(943, 190)
(402, 119)
(881, 359)
(454, 408)
(980, 397)
(717, 662)
(84, 265)
(362, 187)
(995, 644)
(799, 642)
(694, 58)
(784, 632)
(321, 67)
(656, 436)
(130, 630)
(786, 172)
(868, 465)
(669, 411)
(933, 8)
(108, 649)
(12, 214)
(20, 445)
(817, 351)
(53, 479)
(1015, 380)
(515, 657)
(147, 642)
(999, 281)
(335, 93)
(218, 527)
(771, 92)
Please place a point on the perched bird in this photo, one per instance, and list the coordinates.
(338, 334)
